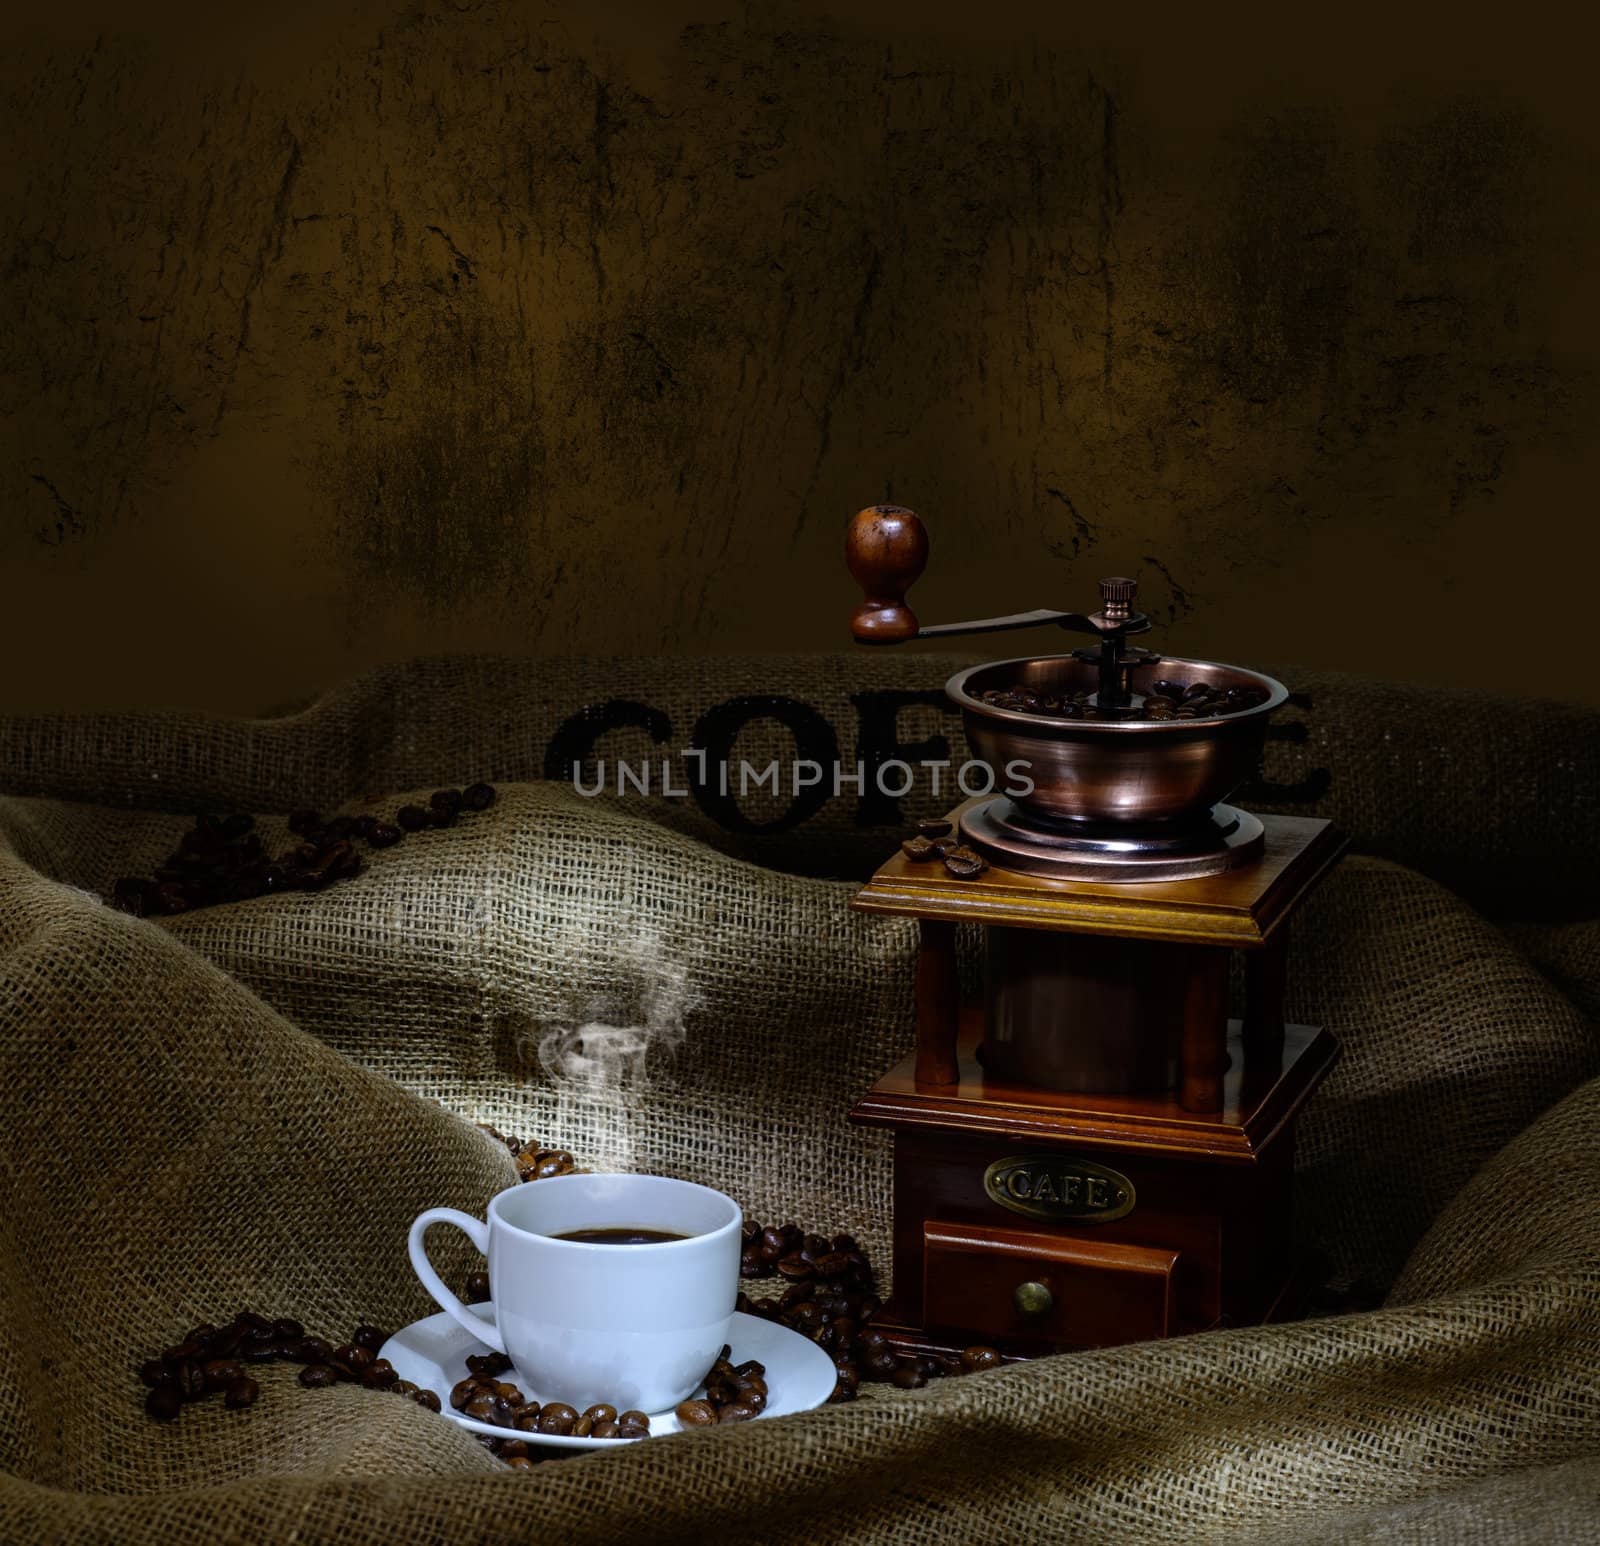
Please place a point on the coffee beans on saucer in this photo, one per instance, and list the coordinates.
(486, 1398)
(221, 858)
(733, 1395)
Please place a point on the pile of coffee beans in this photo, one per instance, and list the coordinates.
(733, 1394)
(213, 1358)
(829, 1299)
(221, 858)
(934, 840)
(535, 1161)
(486, 1398)
(1165, 700)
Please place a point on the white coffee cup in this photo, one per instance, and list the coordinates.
(634, 1325)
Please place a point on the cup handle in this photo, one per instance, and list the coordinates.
(478, 1233)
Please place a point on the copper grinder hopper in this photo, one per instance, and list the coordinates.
(1118, 760)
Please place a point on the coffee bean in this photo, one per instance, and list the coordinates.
(908, 1375)
(919, 850)
(601, 1412)
(163, 1403)
(316, 1376)
(480, 1408)
(445, 800)
(463, 1391)
(696, 1414)
(313, 1350)
(477, 1288)
(369, 1337)
(220, 1373)
(401, 1388)
(303, 821)
(736, 1412)
(379, 1374)
(478, 797)
(556, 1417)
(795, 1266)
(933, 828)
(488, 1364)
(412, 818)
(384, 835)
(963, 863)
(975, 1359)
(258, 1350)
(189, 1380)
(603, 1431)
(350, 1360)
(154, 1371)
(425, 1398)
(241, 1393)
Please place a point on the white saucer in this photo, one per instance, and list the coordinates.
(432, 1353)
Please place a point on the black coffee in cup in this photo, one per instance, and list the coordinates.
(626, 1235)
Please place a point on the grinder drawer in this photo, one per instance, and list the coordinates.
(1023, 1284)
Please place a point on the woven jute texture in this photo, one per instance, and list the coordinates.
(247, 1105)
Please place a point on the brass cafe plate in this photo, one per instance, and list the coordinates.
(1059, 1186)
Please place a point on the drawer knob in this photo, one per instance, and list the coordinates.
(1033, 1299)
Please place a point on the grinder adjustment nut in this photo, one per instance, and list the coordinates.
(1033, 1299)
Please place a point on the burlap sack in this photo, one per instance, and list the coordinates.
(247, 1105)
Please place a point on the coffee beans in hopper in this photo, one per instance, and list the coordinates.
(221, 858)
(1166, 699)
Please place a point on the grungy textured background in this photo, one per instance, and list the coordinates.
(338, 334)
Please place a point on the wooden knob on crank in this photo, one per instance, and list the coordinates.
(886, 547)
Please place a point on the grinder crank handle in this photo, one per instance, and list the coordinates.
(886, 547)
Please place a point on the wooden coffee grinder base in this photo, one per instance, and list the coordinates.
(1095, 1154)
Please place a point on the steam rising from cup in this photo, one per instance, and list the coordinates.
(598, 1069)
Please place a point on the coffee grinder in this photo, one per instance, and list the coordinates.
(1089, 1151)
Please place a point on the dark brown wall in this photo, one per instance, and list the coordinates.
(583, 329)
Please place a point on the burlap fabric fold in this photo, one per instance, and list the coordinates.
(248, 1104)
